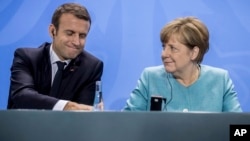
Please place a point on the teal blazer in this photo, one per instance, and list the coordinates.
(212, 92)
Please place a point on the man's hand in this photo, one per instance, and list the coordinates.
(75, 106)
(101, 106)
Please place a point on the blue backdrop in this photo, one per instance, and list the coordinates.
(125, 35)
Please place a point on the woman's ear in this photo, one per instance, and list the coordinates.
(195, 52)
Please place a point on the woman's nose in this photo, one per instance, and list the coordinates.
(165, 52)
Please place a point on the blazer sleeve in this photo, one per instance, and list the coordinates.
(231, 102)
(23, 93)
(138, 100)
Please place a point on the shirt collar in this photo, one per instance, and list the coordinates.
(54, 58)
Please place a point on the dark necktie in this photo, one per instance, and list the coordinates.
(57, 79)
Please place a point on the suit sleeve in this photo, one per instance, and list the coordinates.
(23, 93)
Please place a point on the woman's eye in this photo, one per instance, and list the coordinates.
(163, 47)
(173, 48)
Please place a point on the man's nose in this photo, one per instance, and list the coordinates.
(76, 40)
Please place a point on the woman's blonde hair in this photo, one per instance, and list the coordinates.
(189, 31)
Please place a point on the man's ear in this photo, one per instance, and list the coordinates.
(52, 30)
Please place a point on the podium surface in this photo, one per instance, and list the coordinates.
(29, 125)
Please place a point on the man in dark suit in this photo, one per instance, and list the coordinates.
(34, 69)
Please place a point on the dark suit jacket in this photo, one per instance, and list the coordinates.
(31, 79)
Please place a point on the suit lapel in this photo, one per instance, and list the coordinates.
(68, 73)
(44, 70)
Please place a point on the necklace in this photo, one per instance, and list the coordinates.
(194, 77)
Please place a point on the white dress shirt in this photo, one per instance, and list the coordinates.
(53, 59)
